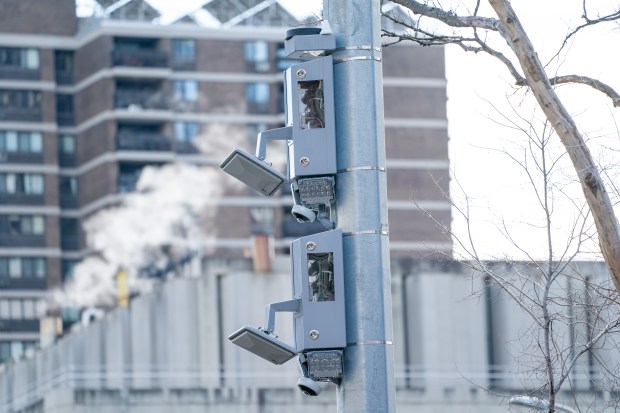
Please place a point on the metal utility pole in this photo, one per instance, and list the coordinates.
(361, 199)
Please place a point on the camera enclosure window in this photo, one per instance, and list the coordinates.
(311, 104)
(321, 277)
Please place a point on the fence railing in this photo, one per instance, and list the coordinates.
(31, 388)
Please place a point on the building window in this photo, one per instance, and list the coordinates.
(282, 63)
(183, 54)
(186, 90)
(22, 267)
(67, 268)
(186, 131)
(64, 103)
(66, 144)
(20, 99)
(185, 134)
(183, 49)
(29, 309)
(63, 61)
(128, 176)
(257, 97)
(5, 309)
(69, 234)
(5, 350)
(17, 57)
(28, 184)
(13, 350)
(19, 309)
(257, 92)
(67, 189)
(64, 109)
(68, 186)
(22, 225)
(256, 54)
(26, 142)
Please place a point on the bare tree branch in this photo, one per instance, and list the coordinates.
(588, 22)
(551, 293)
(592, 185)
(476, 44)
(587, 347)
(585, 80)
(448, 17)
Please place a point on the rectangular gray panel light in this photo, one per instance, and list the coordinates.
(263, 345)
(253, 172)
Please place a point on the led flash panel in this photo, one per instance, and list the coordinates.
(323, 365)
(316, 191)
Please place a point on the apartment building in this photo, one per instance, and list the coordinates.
(85, 105)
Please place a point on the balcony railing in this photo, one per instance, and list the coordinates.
(139, 58)
(18, 240)
(185, 147)
(8, 283)
(65, 118)
(183, 64)
(257, 67)
(258, 107)
(142, 141)
(22, 199)
(68, 201)
(19, 326)
(138, 99)
(21, 157)
(65, 159)
(20, 114)
(64, 78)
(21, 73)
(293, 229)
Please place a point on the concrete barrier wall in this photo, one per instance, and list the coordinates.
(453, 332)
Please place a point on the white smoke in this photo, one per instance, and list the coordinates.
(168, 216)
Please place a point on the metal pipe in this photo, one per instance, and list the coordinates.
(361, 199)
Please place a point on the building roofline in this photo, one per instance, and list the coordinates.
(96, 28)
(140, 29)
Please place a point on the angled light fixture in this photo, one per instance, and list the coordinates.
(255, 173)
(263, 345)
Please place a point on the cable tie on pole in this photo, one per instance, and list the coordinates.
(362, 168)
(366, 232)
(369, 343)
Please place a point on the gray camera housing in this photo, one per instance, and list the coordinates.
(317, 304)
(309, 46)
(312, 150)
(320, 322)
